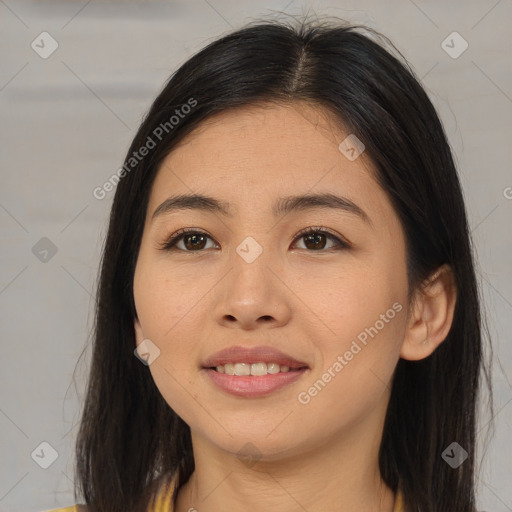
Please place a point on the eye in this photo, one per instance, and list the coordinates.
(315, 238)
(195, 240)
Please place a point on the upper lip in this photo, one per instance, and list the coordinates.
(262, 354)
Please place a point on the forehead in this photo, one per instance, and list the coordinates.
(253, 155)
(268, 134)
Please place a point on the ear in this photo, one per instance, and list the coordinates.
(431, 315)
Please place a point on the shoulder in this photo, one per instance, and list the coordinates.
(399, 502)
(164, 495)
(163, 499)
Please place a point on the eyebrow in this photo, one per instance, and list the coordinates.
(282, 206)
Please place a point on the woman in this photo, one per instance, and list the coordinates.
(287, 315)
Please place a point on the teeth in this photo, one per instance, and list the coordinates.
(242, 369)
(258, 369)
(252, 369)
(273, 368)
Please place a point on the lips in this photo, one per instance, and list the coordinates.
(261, 354)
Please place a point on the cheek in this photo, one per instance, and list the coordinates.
(164, 320)
(363, 323)
(357, 367)
(354, 301)
(166, 300)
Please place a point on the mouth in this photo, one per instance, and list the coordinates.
(253, 372)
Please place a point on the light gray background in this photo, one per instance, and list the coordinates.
(66, 125)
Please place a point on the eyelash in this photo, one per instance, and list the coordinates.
(176, 237)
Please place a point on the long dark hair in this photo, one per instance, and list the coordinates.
(130, 440)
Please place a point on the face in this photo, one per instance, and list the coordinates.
(333, 299)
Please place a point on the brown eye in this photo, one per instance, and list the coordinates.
(315, 239)
(193, 241)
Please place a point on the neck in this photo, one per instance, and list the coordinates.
(339, 474)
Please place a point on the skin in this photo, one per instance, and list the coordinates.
(308, 303)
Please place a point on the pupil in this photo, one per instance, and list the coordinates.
(195, 238)
(315, 237)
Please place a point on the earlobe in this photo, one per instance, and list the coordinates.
(431, 315)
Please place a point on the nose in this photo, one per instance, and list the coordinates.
(253, 295)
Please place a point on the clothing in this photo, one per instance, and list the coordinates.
(163, 503)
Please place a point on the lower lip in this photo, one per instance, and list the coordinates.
(249, 386)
